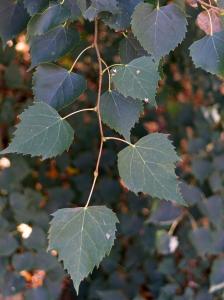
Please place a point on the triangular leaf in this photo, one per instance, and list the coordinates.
(13, 19)
(41, 132)
(82, 237)
(51, 17)
(149, 167)
(57, 86)
(119, 112)
(137, 79)
(159, 30)
(53, 44)
(212, 47)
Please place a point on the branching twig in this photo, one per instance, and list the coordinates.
(205, 4)
(80, 54)
(174, 225)
(107, 138)
(97, 109)
(109, 67)
(78, 111)
(96, 172)
(109, 75)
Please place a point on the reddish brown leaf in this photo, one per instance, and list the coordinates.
(207, 25)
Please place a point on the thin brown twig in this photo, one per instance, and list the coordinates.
(205, 4)
(107, 138)
(97, 109)
(174, 225)
(78, 111)
(111, 66)
(96, 172)
(109, 75)
(80, 54)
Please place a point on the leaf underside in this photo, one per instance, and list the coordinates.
(208, 53)
(82, 237)
(149, 167)
(41, 132)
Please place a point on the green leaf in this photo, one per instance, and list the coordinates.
(53, 44)
(210, 46)
(8, 244)
(121, 20)
(159, 30)
(13, 19)
(57, 86)
(34, 6)
(138, 79)
(149, 167)
(41, 132)
(51, 17)
(75, 8)
(119, 112)
(98, 6)
(130, 49)
(217, 275)
(82, 237)
(37, 240)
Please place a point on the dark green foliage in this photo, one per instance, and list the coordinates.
(119, 112)
(57, 86)
(159, 30)
(35, 6)
(13, 19)
(53, 44)
(164, 250)
(51, 17)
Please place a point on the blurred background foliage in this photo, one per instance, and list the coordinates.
(163, 252)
